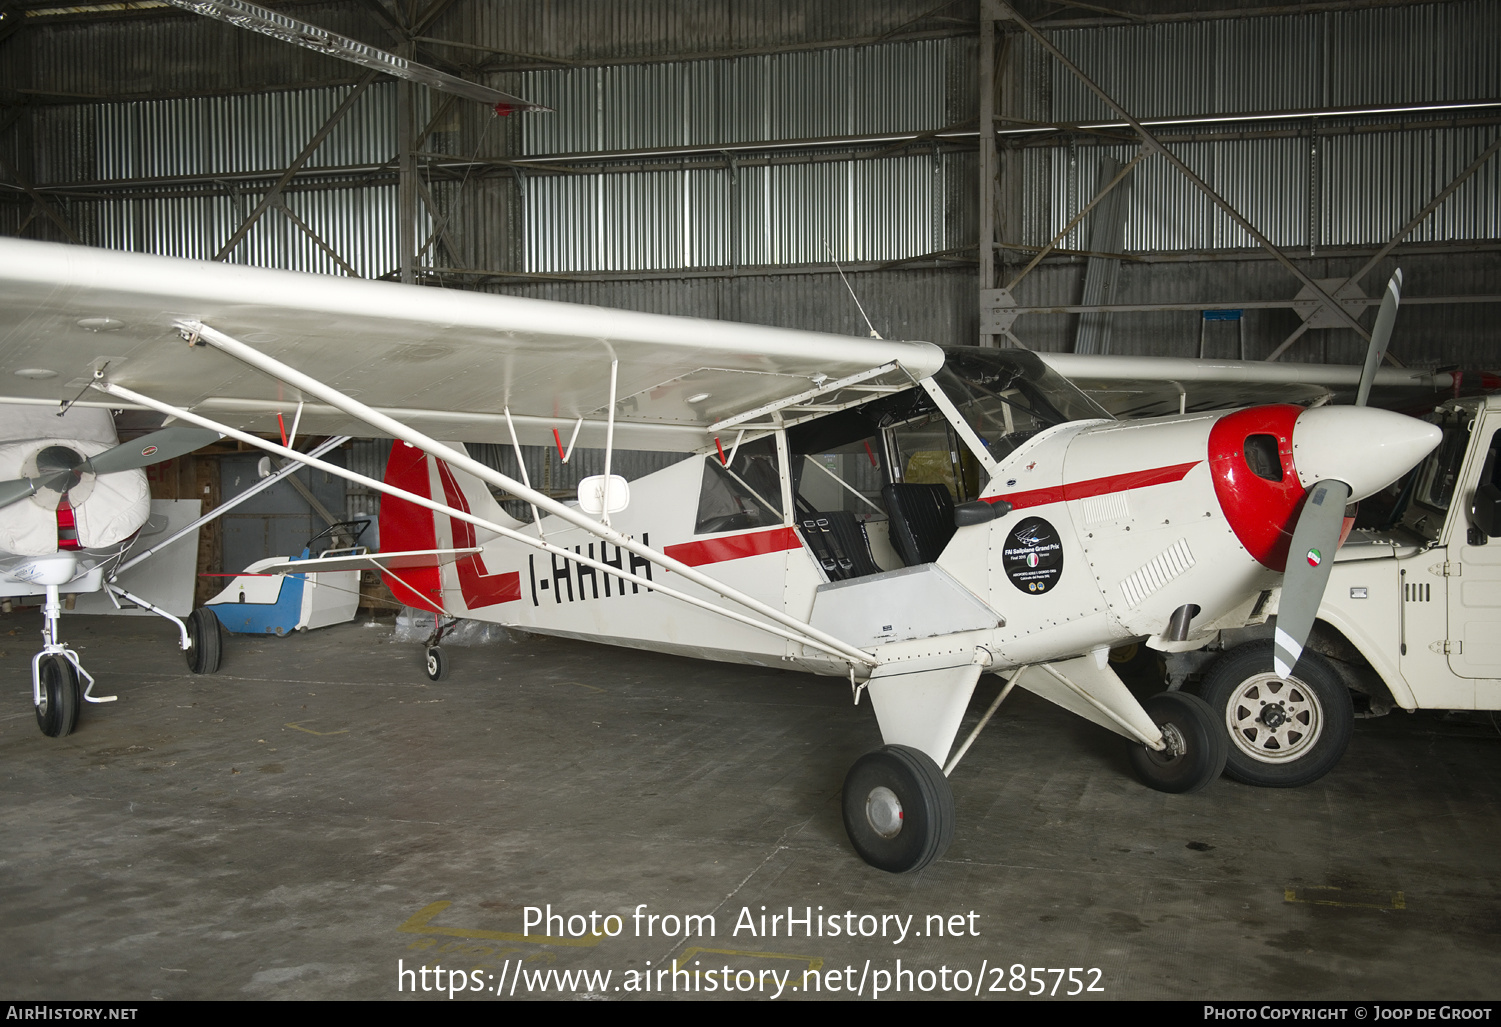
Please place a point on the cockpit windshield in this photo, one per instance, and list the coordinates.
(1007, 396)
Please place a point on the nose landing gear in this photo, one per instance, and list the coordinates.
(54, 676)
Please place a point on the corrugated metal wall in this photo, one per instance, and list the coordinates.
(1309, 186)
(191, 149)
(894, 87)
(729, 215)
(1321, 188)
(861, 210)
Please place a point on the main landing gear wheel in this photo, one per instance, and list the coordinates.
(437, 663)
(208, 643)
(1196, 745)
(57, 713)
(1282, 733)
(898, 809)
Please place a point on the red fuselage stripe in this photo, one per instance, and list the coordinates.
(1096, 486)
(734, 547)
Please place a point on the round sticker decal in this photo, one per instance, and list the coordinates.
(1033, 556)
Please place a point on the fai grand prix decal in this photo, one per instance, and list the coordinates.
(1033, 556)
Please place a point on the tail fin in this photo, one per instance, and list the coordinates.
(405, 526)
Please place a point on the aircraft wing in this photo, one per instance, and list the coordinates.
(1131, 386)
(447, 362)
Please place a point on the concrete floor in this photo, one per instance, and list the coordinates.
(318, 814)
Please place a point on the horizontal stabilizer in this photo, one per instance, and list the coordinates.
(368, 561)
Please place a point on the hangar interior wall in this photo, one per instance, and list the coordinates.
(718, 160)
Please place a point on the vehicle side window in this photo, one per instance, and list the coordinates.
(1490, 474)
(1439, 474)
(746, 494)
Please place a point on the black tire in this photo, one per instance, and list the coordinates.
(437, 663)
(1197, 746)
(898, 809)
(208, 641)
(1282, 733)
(57, 714)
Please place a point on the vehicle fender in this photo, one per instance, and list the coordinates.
(1382, 655)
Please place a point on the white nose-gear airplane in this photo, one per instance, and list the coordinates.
(900, 516)
(72, 500)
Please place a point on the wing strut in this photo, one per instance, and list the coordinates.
(786, 627)
(385, 425)
(229, 504)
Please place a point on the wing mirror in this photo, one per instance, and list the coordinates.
(1485, 512)
(592, 494)
(979, 512)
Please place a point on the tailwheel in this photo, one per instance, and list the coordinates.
(57, 710)
(437, 663)
(208, 644)
(1196, 747)
(898, 809)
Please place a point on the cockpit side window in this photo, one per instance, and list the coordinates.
(1008, 396)
(745, 494)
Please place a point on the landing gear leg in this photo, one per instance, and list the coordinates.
(437, 660)
(54, 676)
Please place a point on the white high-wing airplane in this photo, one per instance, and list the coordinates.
(1073, 533)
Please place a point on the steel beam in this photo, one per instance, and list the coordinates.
(440, 225)
(40, 201)
(406, 189)
(1138, 308)
(317, 239)
(1370, 110)
(988, 157)
(312, 37)
(1428, 208)
(1149, 140)
(1117, 180)
(302, 158)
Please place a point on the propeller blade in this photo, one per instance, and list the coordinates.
(1310, 558)
(1380, 336)
(15, 490)
(155, 448)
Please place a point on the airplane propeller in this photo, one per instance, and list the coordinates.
(1309, 561)
(1380, 336)
(60, 468)
(1316, 535)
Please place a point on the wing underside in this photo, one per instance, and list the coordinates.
(448, 362)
